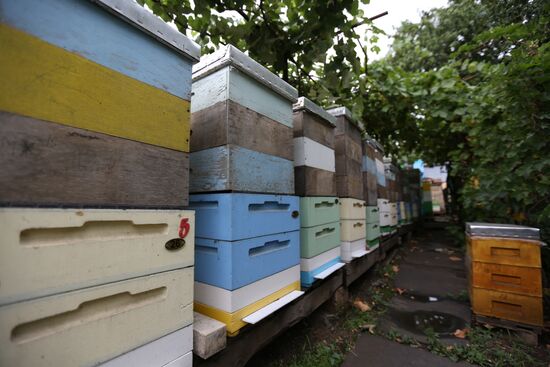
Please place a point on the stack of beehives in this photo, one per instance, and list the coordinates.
(370, 192)
(242, 177)
(315, 178)
(95, 114)
(349, 184)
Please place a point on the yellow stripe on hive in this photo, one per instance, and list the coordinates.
(46, 82)
(233, 321)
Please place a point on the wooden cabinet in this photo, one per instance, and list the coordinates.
(504, 272)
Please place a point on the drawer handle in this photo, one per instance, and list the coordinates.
(90, 231)
(206, 249)
(324, 204)
(325, 231)
(86, 312)
(504, 251)
(358, 224)
(503, 279)
(174, 244)
(268, 206)
(375, 226)
(268, 247)
(358, 205)
(507, 308)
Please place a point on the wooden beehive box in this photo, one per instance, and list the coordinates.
(314, 159)
(241, 126)
(504, 272)
(370, 184)
(349, 178)
(95, 105)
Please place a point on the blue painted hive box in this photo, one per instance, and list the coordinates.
(242, 126)
(232, 265)
(237, 216)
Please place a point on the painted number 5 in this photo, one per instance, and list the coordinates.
(184, 227)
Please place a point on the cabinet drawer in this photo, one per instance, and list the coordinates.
(315, 211)
(507, 278)
(232, 217)
(352, 209)
(55, 330)
(232, 265)
(505, 251)
(352, 229)
(373, 231)
(318, 239)
(508, 306)
(373, 215)
(47, 251)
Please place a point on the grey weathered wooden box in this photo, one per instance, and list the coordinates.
(314, 174)
(241, 126)
(349, 177)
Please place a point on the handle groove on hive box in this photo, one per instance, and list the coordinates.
(268, 247)
(325, 232)
(93, 230)
(268, 206)
(324, 204)
(86, 312)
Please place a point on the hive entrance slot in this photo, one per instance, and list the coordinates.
(504, 251)
(92, 230)
(270, 246)
(86, 312)
(268, 206)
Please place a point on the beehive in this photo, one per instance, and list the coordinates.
(504, 269)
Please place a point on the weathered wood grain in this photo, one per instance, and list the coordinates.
(359, 266)
(370, 188)
(311, 181)
(88, 30)
(44, 163)
(349, 187)
(346, 127)
(49, 83)
(348, 167)
(344, 145)
(233, 168)
(312, 126)
(230, 83)
(228, 122)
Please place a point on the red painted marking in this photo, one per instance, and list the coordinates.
(184, 227)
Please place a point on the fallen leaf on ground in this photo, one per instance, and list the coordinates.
(455, 258)
(386, 275)
(461, 333)
(450, 347)
(395, 268)
(400, 290)
(487, 326)
(369, 327)
(361, 306)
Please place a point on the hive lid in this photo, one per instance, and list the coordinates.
(502, 230)
(343, 111)
(304, 104)
(141, 18)
(229, 55)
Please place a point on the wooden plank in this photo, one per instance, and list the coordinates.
(50, 164)
(349, 187)
(228, 122)
(232, 168)
(103, 245)
(507, 278)
(312, 126)
(241, 348)
(508, 306)
(348, 167)
(360, 266)
(508, 251)
(346, 147)
(230, 83)
(346, 127)
(264, 312)
(49, 83)
(314, 182)
(88, 30)
(370, 188)
(309, 153)
(32, 332)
